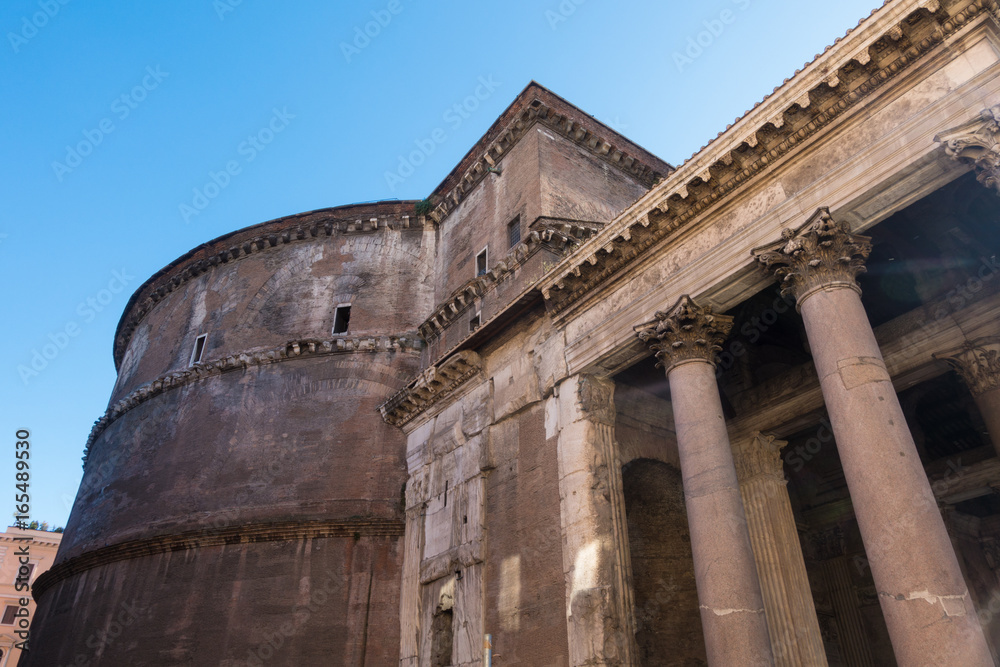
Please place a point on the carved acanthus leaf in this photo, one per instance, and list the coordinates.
(687, 332)
(821, 253)
(759, 456)
(978, 362)
(977, 142)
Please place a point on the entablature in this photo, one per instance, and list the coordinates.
(828, 88)
(367, 219)
(559, 237)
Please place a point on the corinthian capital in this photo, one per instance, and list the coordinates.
(821, 254)
(978, 362)
(687, 332)
(759, 456)
(977, 142)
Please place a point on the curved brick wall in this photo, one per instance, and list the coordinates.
(256, 497)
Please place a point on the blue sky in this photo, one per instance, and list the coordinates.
(114, 117)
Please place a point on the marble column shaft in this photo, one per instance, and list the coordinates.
(791, 615)
(924, 598)
(732, 609)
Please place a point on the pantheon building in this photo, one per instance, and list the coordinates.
(580, 406)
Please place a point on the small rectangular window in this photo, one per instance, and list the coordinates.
(341, 318)
(199, 349)
(514, 232)
(481, 259)
(8, 615)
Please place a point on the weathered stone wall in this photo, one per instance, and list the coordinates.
(480, 220)
(576, 185)
(223, 498)
(524, 571)
(293, 602)
(668, 622)
(483, 512)
(284, 293)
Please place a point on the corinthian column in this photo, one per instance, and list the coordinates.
(686, 340)
(978, 362)
(924, 599)
(791, 615)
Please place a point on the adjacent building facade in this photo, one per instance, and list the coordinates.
(40, 548)
(744, 411)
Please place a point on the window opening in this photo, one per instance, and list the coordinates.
(514, 232)
(199, 349)
(341, 318)
(481, 263)
(474, 321)
(8, 615)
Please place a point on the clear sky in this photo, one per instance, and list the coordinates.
(114, 115)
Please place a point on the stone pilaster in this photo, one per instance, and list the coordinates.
(409, 594)
(976, 142)
(854, 646)
(978, 363)
(924, 598)
(685, 341)
(599, 598)
(791, 616)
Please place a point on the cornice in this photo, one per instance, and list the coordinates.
(559, 238)
(199, 539)
(835, 82)
(43, 542)
(618, 152)
(429, 387)
(258, 357)
(342, 220)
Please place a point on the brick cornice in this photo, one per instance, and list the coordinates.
(341, 220)
(295, 349)
(558, 237)
(212, 537)
(835, 82)
(539, 105)
(431, 386)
